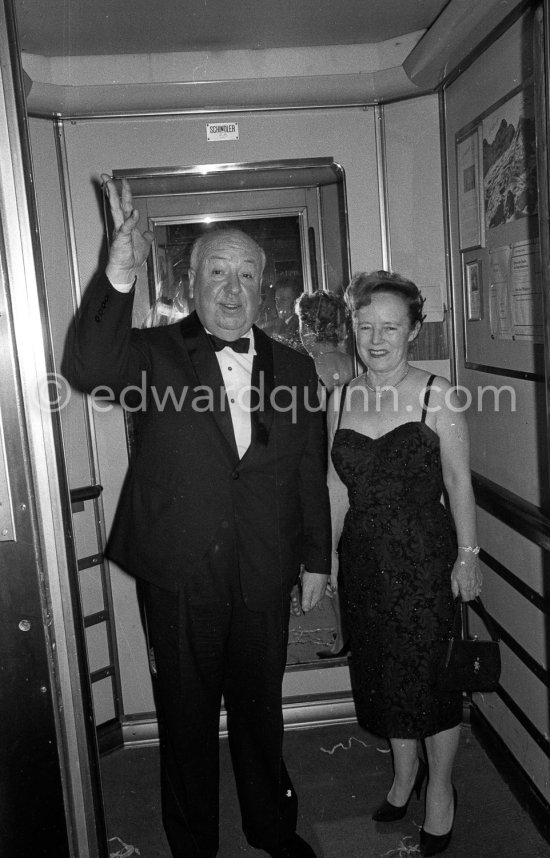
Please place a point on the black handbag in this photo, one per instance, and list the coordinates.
(470, 664)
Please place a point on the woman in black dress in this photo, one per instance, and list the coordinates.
(400, 443)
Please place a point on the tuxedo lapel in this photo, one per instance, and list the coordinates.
(262, 384)
(263, 380)
(208, 375)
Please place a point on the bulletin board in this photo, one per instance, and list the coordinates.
(499, 241)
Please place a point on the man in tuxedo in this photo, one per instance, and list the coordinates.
(225, 500)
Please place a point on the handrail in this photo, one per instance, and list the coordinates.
(523, 517)
(84, 493)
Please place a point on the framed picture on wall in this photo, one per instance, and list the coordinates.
(502, 285)
(473, 287)
(470, 189)
(510, 159)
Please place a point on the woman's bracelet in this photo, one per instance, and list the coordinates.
(473, 548)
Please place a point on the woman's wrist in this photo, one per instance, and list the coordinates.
(469, 549)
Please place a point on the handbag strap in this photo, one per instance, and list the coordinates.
(459, 623)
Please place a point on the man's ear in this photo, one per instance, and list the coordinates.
(191, 275)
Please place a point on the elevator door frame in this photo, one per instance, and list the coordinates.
(49, 746)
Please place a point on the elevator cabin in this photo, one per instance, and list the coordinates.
(344, 146)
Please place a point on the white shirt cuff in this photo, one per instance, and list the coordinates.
(122, 287)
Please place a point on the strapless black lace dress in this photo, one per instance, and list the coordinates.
(397, 551)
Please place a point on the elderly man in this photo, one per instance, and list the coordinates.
(225, 499)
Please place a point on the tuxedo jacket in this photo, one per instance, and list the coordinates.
(186, 485)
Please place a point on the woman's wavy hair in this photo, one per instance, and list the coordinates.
(324, 313)
(363, 285)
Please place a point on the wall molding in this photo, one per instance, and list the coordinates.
(141, 730)
(298, 715)
(541, 602)
(520, 515)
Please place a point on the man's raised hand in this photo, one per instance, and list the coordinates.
(129, 247)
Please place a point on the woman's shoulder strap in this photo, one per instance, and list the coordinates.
(427, 391)
(343, 397)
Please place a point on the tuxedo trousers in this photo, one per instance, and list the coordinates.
(207, 645)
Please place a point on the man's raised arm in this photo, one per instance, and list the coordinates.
(129, 247)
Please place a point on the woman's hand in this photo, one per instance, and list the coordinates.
(466, 578)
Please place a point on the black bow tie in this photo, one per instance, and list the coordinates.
(241, 345)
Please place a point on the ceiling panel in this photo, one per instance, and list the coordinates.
(95, 27)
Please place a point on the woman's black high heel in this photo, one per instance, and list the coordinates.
(434, 844)
(388, 812)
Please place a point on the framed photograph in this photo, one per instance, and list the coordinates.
(470, 189)
(473, 285)
(510, 159)
(501, 282)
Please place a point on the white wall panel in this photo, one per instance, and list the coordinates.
(513, 550)
(415, 203)
(508, 448)
(415, 197)
(497, 436)
(521, 745)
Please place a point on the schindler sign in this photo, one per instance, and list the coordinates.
(222, 131)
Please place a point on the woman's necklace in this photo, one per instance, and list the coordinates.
(380, 389)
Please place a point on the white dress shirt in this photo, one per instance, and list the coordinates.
(236, 369)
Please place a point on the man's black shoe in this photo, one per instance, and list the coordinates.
(294, 847)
